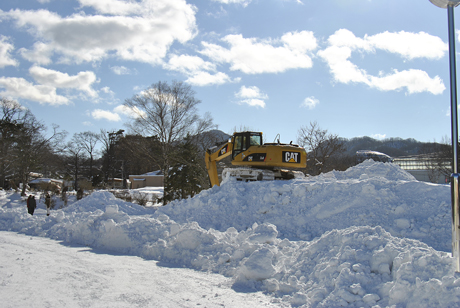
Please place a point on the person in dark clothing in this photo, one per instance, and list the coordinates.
(48, 203)
(28, 204)
(79, 194)
(31, 204)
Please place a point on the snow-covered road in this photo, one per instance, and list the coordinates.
(39, 272)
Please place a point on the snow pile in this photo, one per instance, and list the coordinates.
(370, 194)
(370, 230)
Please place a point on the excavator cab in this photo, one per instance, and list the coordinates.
(242, 141)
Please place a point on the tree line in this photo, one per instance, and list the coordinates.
(165, 133)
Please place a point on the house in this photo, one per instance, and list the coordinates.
(151, 179)
(116, 183)
(46, 183)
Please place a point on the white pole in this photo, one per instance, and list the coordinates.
(454, 124)
(455, 193)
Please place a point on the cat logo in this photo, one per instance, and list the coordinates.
(256, 157)
(291, 157)
(223, 150)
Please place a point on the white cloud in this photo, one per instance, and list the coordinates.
(110, 98)
(107, 90)
(245, 2)
(40, 54)
(410, 45)
(21, 88)
(138, 31)
(100, 114)
(346, 38)
(199, 72)
(114, 7)
(205, 79)
(251, 96)
(250, 92)
(310, 102)
(82, 81)
(343, 42)
(120, 70)
(341, 68)
(242, 2)
(188, 64)
(47, 83)
(379, 136)
(5, 49)
(415, 81)
(255, 102)
(302, 42)
(254, 56)
(130, 112)
(407, 44)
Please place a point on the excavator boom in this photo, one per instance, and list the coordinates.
(212, 156)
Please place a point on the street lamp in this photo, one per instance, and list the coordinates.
(450, 4)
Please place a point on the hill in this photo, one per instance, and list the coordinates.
(394, 147)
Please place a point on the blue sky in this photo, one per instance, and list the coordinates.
(375, 68)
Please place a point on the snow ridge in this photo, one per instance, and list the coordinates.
(370, 194)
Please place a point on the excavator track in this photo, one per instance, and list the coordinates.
(253, 174)
(247, 174)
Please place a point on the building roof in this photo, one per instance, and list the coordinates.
(45, 180)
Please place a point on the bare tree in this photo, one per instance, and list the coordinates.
(88, 141)
(169, 113)
(12, 114)
(75, 154)
(320, 147)
(104, 139)
(437, 159)
(132, 149)
(36, 148)
(23, 142)
(109, 140)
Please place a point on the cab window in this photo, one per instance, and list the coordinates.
(256, 140)
(240, 145)
(243, 141)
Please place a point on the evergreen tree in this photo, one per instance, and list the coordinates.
(185, 178)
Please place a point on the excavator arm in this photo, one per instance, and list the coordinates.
(212, 156)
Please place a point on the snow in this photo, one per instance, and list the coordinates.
(371, 236)
(39, 272)
(154, 173)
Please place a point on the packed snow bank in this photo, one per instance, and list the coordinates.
(369, 229)
(370, 194)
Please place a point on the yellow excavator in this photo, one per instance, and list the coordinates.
(259, 161)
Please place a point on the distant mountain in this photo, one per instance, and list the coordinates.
(217, 135)
(210, 138)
